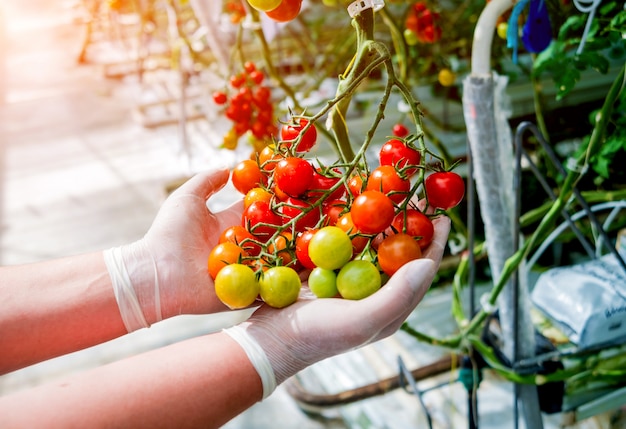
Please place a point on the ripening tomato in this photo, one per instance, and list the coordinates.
(399, 154)
(345, 223)
(264, 5)
(286, 11)
(247, 175)
(386, 179)
(332, 210)
(240, 236)
(290, 131)
(396, 250)
(330, 248)
(224, 254)
(444, 189)
(256, 194)
(372, 212)
(416, 224)
(260, 219)
(220, 97)
(355, 184)
(269, 157)
(293, 175)
(282, 247)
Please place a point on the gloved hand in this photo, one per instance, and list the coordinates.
(281, 342)
(165, 273)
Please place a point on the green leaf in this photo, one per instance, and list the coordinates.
(619, 22)
(572, 27)
(566, 81)
(593, 60)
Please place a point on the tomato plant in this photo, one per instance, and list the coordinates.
(444, 189)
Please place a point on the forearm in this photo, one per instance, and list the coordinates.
(201, 382)
(55, 307)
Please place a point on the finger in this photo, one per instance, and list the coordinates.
(435, 249)
(205, 184)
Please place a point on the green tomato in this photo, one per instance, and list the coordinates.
(264, 5)
(236, 286)
(279, 286)
(358, 279)
(410, 37)
(330, 248)
(323, 283)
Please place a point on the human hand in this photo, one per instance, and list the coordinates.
(167, 268)
(310, 330)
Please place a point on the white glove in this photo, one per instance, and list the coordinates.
(282, 342)
(165, 273)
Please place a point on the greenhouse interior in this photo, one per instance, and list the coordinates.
(423, 224)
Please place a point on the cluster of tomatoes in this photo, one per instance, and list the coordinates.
(422, 25)
(249, 106)
(345, 227)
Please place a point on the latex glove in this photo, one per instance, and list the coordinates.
(281, 342)
(166, 271)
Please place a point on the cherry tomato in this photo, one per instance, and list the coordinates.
(286, 11)
(294, 207)
(247, 175)
(264, 5)
(279, 286)
(240, 236)
(398, 154)
(260, 219)
(323, 283)
(332, 210)
(302, 248)
(444, 189)
(396, 250)
(237, 286)
(416, 224)
(281, 247)
(224, 254)
(446, 77)
(345, 223)
(293, 175)
(330, 248)
(256, 194)
(385, 179)
(292, 130)
(322, 183)
(355, 184)
(219, 97)
(358, 279)
(400, 130)
(268, 157)
(372, 212)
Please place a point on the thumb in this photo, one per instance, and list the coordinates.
(205, 184)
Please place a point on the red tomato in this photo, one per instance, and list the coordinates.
(289, 132)
(260, 219)
(399, 130)
(286, 11)
(398, 154)
(302, 248)
(444, 189)
(293, 175)
(372, 212)
(332, 210)
(385, 179)
(322, 183)
(355, 184)
(294, 207)
(219, 97)
(247, 175)
(269, 157)
(417, 225)
(396, 250)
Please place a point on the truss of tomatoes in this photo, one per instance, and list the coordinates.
(347, 230)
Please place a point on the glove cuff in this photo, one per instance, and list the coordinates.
(257, 357)
(123, 263)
